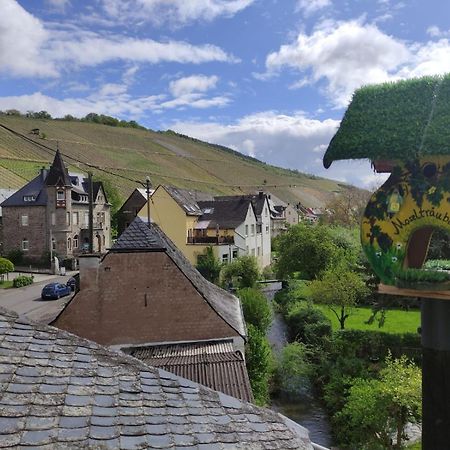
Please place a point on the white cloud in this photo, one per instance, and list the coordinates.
(178, 12)
(21, 39)
(311, 6)
(347, 55)
(295, 142)
(193, 83)
(59, 5)
(27, 48)
(435, 31)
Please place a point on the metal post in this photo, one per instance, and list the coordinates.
(147, 185)
(91, 213)
(435, 374)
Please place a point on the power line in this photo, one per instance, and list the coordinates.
(107, 170)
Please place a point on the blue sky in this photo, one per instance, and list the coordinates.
(270, 78)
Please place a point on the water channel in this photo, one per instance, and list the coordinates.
(305, 410)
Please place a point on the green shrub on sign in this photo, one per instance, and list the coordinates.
(23, 280)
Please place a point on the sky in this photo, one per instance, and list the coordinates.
(269, 78)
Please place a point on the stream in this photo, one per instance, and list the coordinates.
(306, 410)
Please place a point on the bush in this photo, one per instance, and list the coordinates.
(16, 257)
(299, 319)
(6, 266)
(22, 280)
(256, 309)
(209, 266)
(244, 270)
(258, 358)
(294, 369)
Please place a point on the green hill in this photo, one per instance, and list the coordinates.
(127, 155)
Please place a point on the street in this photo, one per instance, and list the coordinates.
(27, 301)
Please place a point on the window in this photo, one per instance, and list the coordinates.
(53, 244)
(60, 195)
(69, 244)
(24, 220)
(235, 254)
(75, 241)
(246, 230)
(267, 229)
(29, 198)
(253, 229)
(86, 219)
(25, 246)
(266, 212)
(225, 258)
(67, 218)
(75, 218)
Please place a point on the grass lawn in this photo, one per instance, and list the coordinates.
(397, 321)
(5, 284)
(416, 446)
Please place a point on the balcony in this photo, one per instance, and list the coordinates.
(211, 240)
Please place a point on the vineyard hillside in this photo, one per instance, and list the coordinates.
(126, 156)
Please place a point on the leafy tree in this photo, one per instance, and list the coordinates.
(340, 289)
(294, 369)
(244, 269)
(114, 198)
(347, 207)
(6, 266)
(256, 308)
(378, 410)
(306, 249)
(307, 323)
(258, 358)
(209, 266)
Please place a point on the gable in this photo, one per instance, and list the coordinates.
(135, 298)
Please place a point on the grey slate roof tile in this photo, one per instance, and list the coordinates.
(68, 408)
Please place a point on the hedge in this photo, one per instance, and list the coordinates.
(22, 280)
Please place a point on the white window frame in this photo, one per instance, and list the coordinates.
(60, 195)
(75, 218)
(25, 245)
(24, 220)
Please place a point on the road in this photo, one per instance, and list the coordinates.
(27, 301)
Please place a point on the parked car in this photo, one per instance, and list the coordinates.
(55, 291)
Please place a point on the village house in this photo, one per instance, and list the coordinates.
(145, 298)
(50, 214)
(131, 207)
(60, 391)
(232, 225)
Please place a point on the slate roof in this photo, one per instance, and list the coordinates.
(139, 237)
(257, 200)
(35, 188)
(227, 213)
(213, 364)
(188, 199)
(61, 391)
(58, 173)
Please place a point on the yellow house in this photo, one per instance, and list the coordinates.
(194, 221)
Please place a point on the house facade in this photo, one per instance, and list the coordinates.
(50, 215)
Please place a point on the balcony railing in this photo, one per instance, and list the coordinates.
(213, 240)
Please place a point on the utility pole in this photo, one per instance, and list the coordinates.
(91, 213)
(147, 187)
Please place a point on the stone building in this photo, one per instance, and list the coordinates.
(50, 214)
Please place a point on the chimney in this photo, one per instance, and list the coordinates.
(89, 265)
(43, 173)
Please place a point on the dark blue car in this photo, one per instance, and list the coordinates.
(55, 291)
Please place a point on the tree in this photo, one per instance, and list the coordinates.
(114, 198)
(256, 308)
(6, 266)
(209, 266)
(294, 369)
(244, 269)
(340, 289)
(306, 249)
(347, 207)
(258, 359)
(378, 410)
